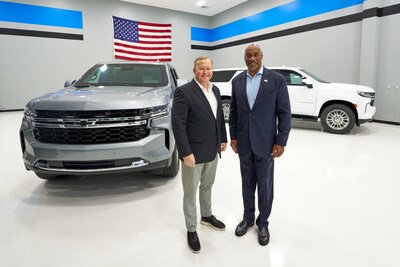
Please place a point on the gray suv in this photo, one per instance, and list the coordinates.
(115, 118)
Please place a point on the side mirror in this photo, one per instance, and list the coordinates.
(182, 81)
(307, 82)
(69, 83)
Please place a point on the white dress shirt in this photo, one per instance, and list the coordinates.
(208, 92)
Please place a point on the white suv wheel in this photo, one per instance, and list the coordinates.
(226, 106)
(338, 119)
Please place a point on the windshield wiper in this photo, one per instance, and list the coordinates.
(82, 85)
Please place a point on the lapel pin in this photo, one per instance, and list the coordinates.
(266, 81)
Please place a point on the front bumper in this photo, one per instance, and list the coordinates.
(152, 152)
(367, 114)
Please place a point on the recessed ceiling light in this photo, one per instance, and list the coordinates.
(201, 3)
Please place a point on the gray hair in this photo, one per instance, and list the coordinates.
(202, 58)
(253, 45)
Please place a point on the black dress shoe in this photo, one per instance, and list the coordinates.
(213, 223)
(242, 228)
(263, 236)
(194, 242)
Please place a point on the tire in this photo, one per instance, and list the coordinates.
(226, 106)
(338, 119)
(173, 169)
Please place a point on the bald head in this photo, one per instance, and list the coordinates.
(253, 57)
(253, 47)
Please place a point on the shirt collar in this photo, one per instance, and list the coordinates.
(202, 87)
(260, 72)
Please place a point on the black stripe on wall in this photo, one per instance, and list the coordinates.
(30, 33)
(389, 10)
(381, 12)
(368, 13)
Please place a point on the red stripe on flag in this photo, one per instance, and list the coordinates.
(152, 30)
(142, 54)
(150, 42)
(155, 36)
(141, 47)
(154, 24)
(141, 59)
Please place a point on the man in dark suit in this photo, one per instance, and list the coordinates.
(199, 130)
(260, 122)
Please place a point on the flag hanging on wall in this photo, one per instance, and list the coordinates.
(142, 41)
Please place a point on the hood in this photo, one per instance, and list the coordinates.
(345, 87)
(102, 98)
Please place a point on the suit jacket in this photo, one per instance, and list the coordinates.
(268, 122)
(195, 128)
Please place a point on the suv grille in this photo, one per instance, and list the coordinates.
(90, 127)
(91, 136)
(67, 114)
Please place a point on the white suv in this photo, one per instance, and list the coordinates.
(339, 106)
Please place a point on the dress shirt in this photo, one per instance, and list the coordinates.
(253, 85)
(208, 92)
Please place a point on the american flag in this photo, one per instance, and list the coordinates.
(141, 41)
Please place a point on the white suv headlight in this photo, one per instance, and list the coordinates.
(366, 94)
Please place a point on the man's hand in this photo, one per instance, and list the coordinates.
(234, 146)
(277, 151)
(223, 146)
(189, 161)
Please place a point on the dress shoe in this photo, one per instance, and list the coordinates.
(263, 236)
(194, 242)
(213, 223)
(242, 228)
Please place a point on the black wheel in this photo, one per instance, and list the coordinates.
(173, 169)
(338, 119)
(48, 176)
(226, 106)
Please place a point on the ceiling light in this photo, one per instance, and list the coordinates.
(201, 3)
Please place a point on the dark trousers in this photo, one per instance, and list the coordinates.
(257, 172)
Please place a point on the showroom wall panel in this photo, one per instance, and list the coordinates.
(32, 66)
(388, 70)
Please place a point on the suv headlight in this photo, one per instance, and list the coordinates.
(366, 94)
(29, 112)
(157, 111)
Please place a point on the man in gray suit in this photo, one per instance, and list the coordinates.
(260, 122)
(199, 130)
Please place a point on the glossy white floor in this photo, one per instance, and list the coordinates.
(336, 204)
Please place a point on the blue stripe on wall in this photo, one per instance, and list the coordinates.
(40, 15)
(298, 9)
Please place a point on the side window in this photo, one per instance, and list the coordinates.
(292, 77)
(94, 76)
(295, 78)
(222, 76)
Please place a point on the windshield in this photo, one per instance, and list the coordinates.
(313, 76)
(147, 75)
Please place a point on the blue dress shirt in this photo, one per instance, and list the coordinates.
(253, 85)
